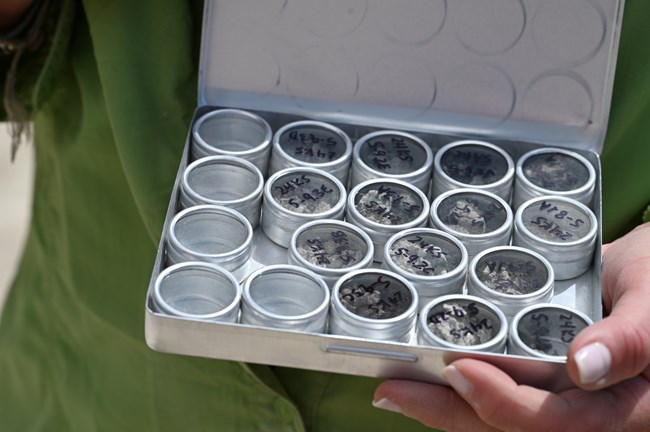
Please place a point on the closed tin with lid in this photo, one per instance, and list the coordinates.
(563, 230)
(374, 304)
(392, 155)
(473, 164)
(312, 144)
(224, 180)
(383, 207)
(330, 248)
(298, 195)
(434, 261)
(554, 171)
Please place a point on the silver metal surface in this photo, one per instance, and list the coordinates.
(312, 144)
(562, 230)
(383, 207)
(553, 171)
(463, 322)
(285, 296)
(432, 260)
(233, 132)
(392, 155)
(298, 195)
(198, 290)
(224, 180)
(213, 234)
(545, 330)
(473, 164)
(479, 219)
(511, 277)
(330, 248)
(374, 304)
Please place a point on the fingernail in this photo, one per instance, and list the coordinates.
(388, 405)
(593, 362)
(457, 380)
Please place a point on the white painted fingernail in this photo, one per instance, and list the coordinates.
(457, 380)
(593, 363)
(388, 405)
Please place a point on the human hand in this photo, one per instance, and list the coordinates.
(609, 362)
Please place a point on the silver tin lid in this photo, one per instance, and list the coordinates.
(563, 230)
(392, 155)
(434, 261)
(553, 171)
(479, 219)
(285, 296)
(383, 207)
(298, 195)
(312, 144)
(198, 290)
(232, 132)
(511, 277)
(224, 180)
(473, 164)
(374, 304)
(213, 234)
(545, 331)
(330, 248)
(463, 322)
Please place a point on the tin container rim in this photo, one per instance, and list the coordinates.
(514, 324)
(367, 259)
(229, 160)
(214, 209)
(411, 310)
(530, 185)
(266, 142)
(285, 269)
(346, 140)
(375, 225)
(507, 224)
(498, 338)
(588, 238)
(339, 206)
(480, 285)
(424, 169)
(215, 269)
(460, 268)
(508, 176)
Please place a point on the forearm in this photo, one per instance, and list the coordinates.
(10, 13)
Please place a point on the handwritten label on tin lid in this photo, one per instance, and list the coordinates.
(464, 323)
(331, 247)
(425, 254)
(474, 214)
(375, 296)
(388, 204)
(393, 154)
(305, 193)
(556, 221)
(312, 144)
(549, 330)
(473, 164)
(511, 273)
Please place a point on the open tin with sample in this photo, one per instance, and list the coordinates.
(519, 75)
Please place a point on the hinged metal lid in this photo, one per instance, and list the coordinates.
(530, 70)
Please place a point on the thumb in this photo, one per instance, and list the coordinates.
(618, 347)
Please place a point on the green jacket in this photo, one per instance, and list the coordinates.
(111, 91)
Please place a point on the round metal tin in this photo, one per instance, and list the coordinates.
(224, 180)
(383, 207)
(213, 234)
(198, 290)
(479, 219)
(553, 171)
(392, 155)
(561, 229)
(295, 196)
(287, 297)
(233, 132)
(463, 322)
(511, 277)
(312, 144)
(374, 304)
(432, 260)
(545, 331)
(330, 248)
(473, 164)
